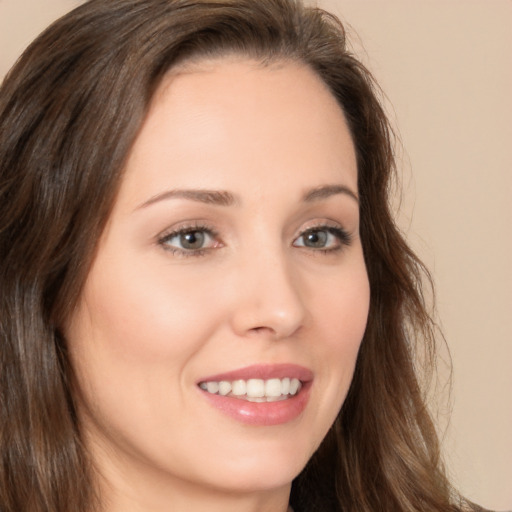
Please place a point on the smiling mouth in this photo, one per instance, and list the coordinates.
(260, 395)
(254, 390)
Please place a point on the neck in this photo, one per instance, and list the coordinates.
(194, 501)
(122, 492)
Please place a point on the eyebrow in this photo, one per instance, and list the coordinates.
(327, 191)
(225, 198)
(215, 197)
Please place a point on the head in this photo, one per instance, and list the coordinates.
(73, 115)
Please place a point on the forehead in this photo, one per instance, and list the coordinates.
(214, 121)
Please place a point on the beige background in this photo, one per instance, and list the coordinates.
(446, 69)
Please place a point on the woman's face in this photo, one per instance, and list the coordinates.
(231, 265)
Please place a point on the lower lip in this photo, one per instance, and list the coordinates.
(261, 413)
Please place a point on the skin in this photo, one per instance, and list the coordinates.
(155, 318)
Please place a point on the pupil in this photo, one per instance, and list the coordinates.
(316, 239)
(192, 240)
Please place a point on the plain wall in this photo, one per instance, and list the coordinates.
(445, 67)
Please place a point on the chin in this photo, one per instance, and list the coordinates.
(260, 478)
(264, 469)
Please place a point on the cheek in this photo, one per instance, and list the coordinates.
(350, 315)
(343, 308)
(344, 314)
(131, 341)
(140, 316)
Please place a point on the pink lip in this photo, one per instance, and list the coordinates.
(264, 371)
(262, 413)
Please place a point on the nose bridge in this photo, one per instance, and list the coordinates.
(269, 298)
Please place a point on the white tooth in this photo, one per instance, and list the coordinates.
(294, 386)
(256, 399)
(224, 387)
(273, 387)
(276, 398)
(285, 386)
(203, 385)
(255, 388)
(212, 387)
(238, 387)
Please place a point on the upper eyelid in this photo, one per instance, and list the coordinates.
(321, 224)
(186, 227)
(340, 232)
(204, 226)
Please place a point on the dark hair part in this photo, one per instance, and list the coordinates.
(69, 113)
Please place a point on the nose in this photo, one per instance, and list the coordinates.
(268, 298)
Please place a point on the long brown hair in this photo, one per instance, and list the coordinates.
(70, 110)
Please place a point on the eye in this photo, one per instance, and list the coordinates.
(324, 238)
(193, 240)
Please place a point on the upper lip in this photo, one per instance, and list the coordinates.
(263, 371)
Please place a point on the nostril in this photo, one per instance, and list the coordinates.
(269, 332)
(262, 330)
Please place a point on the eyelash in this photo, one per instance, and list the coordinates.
(195, 228)
(343, 237)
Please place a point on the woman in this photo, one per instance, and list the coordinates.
(205, 301)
